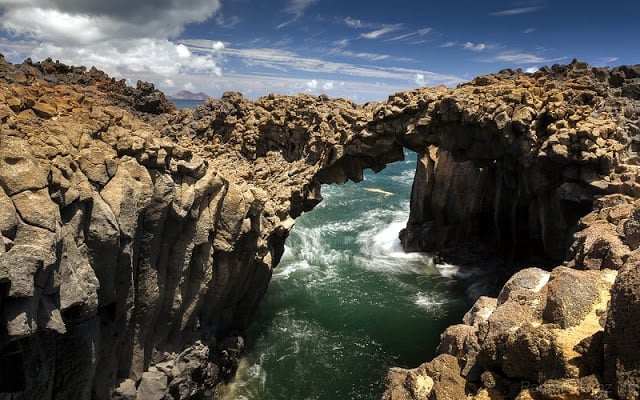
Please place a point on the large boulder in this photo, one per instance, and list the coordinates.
(622, 335)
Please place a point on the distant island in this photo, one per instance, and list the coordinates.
(187, 95)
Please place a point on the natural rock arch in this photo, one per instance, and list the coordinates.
(132, 232)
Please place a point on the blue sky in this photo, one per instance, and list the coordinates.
(361, 50)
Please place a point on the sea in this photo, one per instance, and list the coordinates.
(346, 303)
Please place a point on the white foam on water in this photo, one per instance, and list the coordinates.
(448, 270)
(406, 177)
(381, 247)
(247, 375)
(428, 302)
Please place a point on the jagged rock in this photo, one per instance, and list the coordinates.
(8, 217)
(36, 208)
(127, 193)
(544, 335)
(530, 279)
(481, 311)
(570, 296)
(437, 380)
(622, 332)
(608, 236)
(153, 386)
(135, 235)
(21, 264)
(126, 390)
(18, 169)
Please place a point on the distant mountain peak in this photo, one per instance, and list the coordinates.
(187, 95)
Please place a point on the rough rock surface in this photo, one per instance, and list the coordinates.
(137, 241)
(565, 334)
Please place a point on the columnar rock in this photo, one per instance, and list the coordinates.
(138, 241)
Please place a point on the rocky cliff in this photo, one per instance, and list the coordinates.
(139, 240)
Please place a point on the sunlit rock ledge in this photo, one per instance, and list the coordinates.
(139, 239)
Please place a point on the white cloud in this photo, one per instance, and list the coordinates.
(611, 59)
(123, 38)
(218, 46)
(474, 47)
(364, 55)
(73, 22)
(412, 35)
(449, 44)
(381, 32)
(529, 30)
(183, 51)
(419, 79)
(341, 43)
(520, 58)
(531, 70)
(327, 85)
(189, 86)
(312, 84)
(515, 11)
(148, 59)
(354, 23)
(288, 61)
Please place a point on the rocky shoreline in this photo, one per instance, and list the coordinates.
(140, 239)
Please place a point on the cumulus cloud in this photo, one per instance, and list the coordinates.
(218, 46)
(474, 46)
(327, 85)
(419, 80)
(89, 21)
(531, 70)
(122, 37)
(381, 32)
(312, 84)
(155, 59)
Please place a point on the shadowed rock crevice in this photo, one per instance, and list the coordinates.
(138, 241)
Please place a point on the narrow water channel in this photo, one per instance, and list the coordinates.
(346, 302)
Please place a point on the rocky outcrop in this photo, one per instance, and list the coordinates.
(562, 334)
(137, 243)
(139, 240)
(513, 160)
(549, 335)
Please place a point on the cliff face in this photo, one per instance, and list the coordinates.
(139, 240)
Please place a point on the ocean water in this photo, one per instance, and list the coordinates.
(346, 303)
(180, 104)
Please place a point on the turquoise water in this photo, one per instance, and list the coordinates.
(346, 303)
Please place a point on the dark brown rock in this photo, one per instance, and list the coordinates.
(570, 296)
(622, 333)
